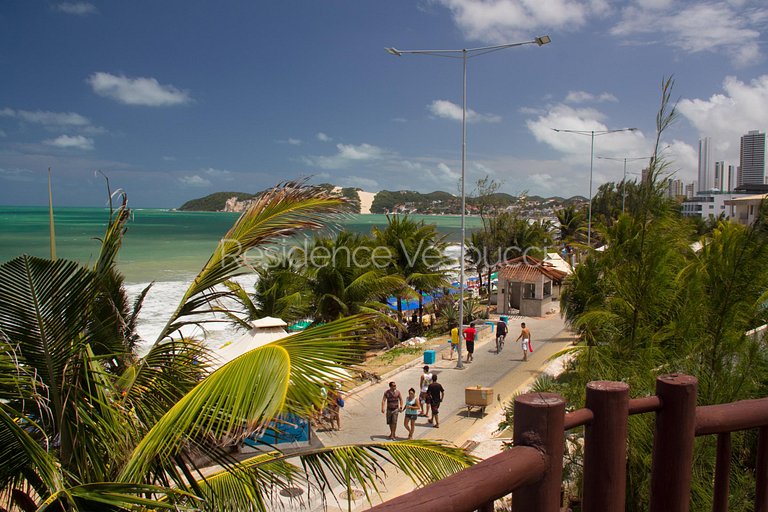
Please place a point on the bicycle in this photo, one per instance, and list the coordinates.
(500, 343)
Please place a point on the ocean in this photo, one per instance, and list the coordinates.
(162, 246)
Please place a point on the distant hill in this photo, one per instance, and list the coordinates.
(386, 201)
(214, 202)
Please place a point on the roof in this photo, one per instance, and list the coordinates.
(746, 199)
(526, 269)
(558, 262)
(268, 321)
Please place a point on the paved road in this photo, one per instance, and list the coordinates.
(362, 420)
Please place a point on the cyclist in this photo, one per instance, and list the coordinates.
(501, 334)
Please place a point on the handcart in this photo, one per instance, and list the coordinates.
(478, 397)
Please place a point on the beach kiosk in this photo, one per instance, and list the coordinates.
(527, 285)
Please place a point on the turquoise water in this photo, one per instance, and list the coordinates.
(160, 245)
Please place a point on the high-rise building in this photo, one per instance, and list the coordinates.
(720, 176)
(731, 178)
(752, 158)
(706, 176)
(676, 188)
(690, 190)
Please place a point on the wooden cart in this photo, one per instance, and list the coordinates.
(478, 397)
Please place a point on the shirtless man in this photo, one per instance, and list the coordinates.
(525, 335)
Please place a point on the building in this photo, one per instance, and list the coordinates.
(690, 190)
(706, 174)
(527, 285)
(752, 154)
(746, 209)
(676, 188)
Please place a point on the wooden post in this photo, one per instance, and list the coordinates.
(539, 421)
(605, 447)
(673, 443)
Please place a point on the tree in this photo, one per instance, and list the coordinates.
(344, 279)
(649, 304)
(86, 423)
(417, 252)
(572, 223)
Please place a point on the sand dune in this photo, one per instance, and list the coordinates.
(366, 200)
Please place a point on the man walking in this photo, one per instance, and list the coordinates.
(525, 335)
(469, 337)
(391, 404)
(424, 381)
(436, 394)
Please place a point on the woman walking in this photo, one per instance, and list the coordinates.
(411, 409)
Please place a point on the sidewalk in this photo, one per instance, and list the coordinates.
(362, 420)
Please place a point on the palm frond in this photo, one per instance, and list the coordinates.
(247, 393)
(278, 213)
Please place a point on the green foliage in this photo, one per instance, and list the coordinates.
(650, 305)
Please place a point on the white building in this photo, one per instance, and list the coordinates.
(706, 172)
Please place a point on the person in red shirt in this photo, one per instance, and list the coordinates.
(470, 333)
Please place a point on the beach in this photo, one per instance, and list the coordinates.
(163, 247)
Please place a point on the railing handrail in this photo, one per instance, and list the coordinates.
(731, 417)
(486, 482)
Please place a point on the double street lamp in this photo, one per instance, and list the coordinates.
(592, 134)
(464, 55)
(624, 182)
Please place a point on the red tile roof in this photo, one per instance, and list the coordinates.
(526, 269)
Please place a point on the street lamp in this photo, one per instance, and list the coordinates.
(592, 134)
(624, 182)
(464, 55)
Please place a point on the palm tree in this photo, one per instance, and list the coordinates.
(418, 254)
(571, 222)
(86, 423)
(343, 279)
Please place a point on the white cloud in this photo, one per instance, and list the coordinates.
(219, 174)
(77, 8)
(47, 118)
(15, 174)
(323, 137)
(449, 110)
(290, 141)
(502, 20)
(137, 91)
(348, 154)
(195, 181)
(727, 116)
(71, 141)
(584, 97)
(732, 28)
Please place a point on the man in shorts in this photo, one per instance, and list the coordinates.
(469, 337)
(424, 381)
(525, 335)
(391, 404)
(436, 394)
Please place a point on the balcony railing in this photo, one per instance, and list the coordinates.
(532, 470)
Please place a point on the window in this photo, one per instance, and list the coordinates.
(548, 288)
(529, 291)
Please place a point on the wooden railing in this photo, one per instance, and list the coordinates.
(532, 470)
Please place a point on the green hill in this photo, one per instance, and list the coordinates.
(213, 202)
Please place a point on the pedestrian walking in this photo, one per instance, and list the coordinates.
(454, 341)
(391, 404)
(469, 338)
(424, 380)
(525, 335)
(436, 395)
(501, 334)
(411, 409)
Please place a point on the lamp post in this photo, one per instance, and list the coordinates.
(624, 182)
(464, 55)
(592, 134)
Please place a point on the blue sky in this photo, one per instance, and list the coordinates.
(177, 99)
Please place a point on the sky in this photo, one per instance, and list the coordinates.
(176, 99)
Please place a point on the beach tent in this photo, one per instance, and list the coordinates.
(264, 330)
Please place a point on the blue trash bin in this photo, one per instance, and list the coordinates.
(429, 357)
